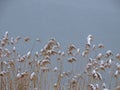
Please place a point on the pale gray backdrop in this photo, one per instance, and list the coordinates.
(66, 20)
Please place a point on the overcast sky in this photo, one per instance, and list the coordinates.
(69, 21)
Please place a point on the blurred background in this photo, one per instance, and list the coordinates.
(69, 21)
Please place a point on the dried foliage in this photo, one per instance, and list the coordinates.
(49, 68)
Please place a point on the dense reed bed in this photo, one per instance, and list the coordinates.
(50, 68)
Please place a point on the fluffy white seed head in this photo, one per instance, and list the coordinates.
(118, 66)
(55, 69)
(19, 75)
(26, 39)
(109, 53)
(91, 87)
(37, 54)
(118, 56)
(78, 51)
(99, 56)
(3, 73)
(28, 54)
(99, 76)
(33, 76)
(100, 45)
(6, 35)
(103, 85)
(97, 86)
(17, 39)
(94, 47)
(14, 49)
(85, 53)
(89, 39)
(55, 85)
(71, 47)
(44, 62)
(116, 74)
(73, 82)
(12, 40)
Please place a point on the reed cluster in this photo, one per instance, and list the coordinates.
(50, 68)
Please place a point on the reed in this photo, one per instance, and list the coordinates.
(53, 69)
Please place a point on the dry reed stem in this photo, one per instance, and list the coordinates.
(38, 66)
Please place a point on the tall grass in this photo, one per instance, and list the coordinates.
(52, 69)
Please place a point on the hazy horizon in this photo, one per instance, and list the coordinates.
(67, 20)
